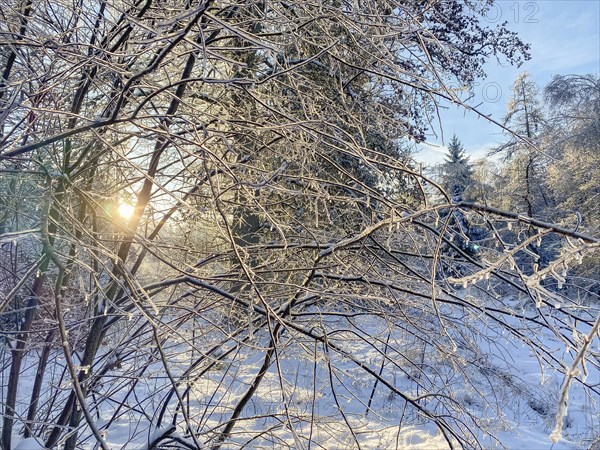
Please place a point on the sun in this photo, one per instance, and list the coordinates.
(126, 210)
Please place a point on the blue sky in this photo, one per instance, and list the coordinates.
(564, 37)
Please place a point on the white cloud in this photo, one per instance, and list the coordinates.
(430, 154)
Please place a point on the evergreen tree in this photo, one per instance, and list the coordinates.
(457, 173)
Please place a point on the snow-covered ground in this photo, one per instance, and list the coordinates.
(324, 396)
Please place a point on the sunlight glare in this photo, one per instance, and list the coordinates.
(126, 210)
